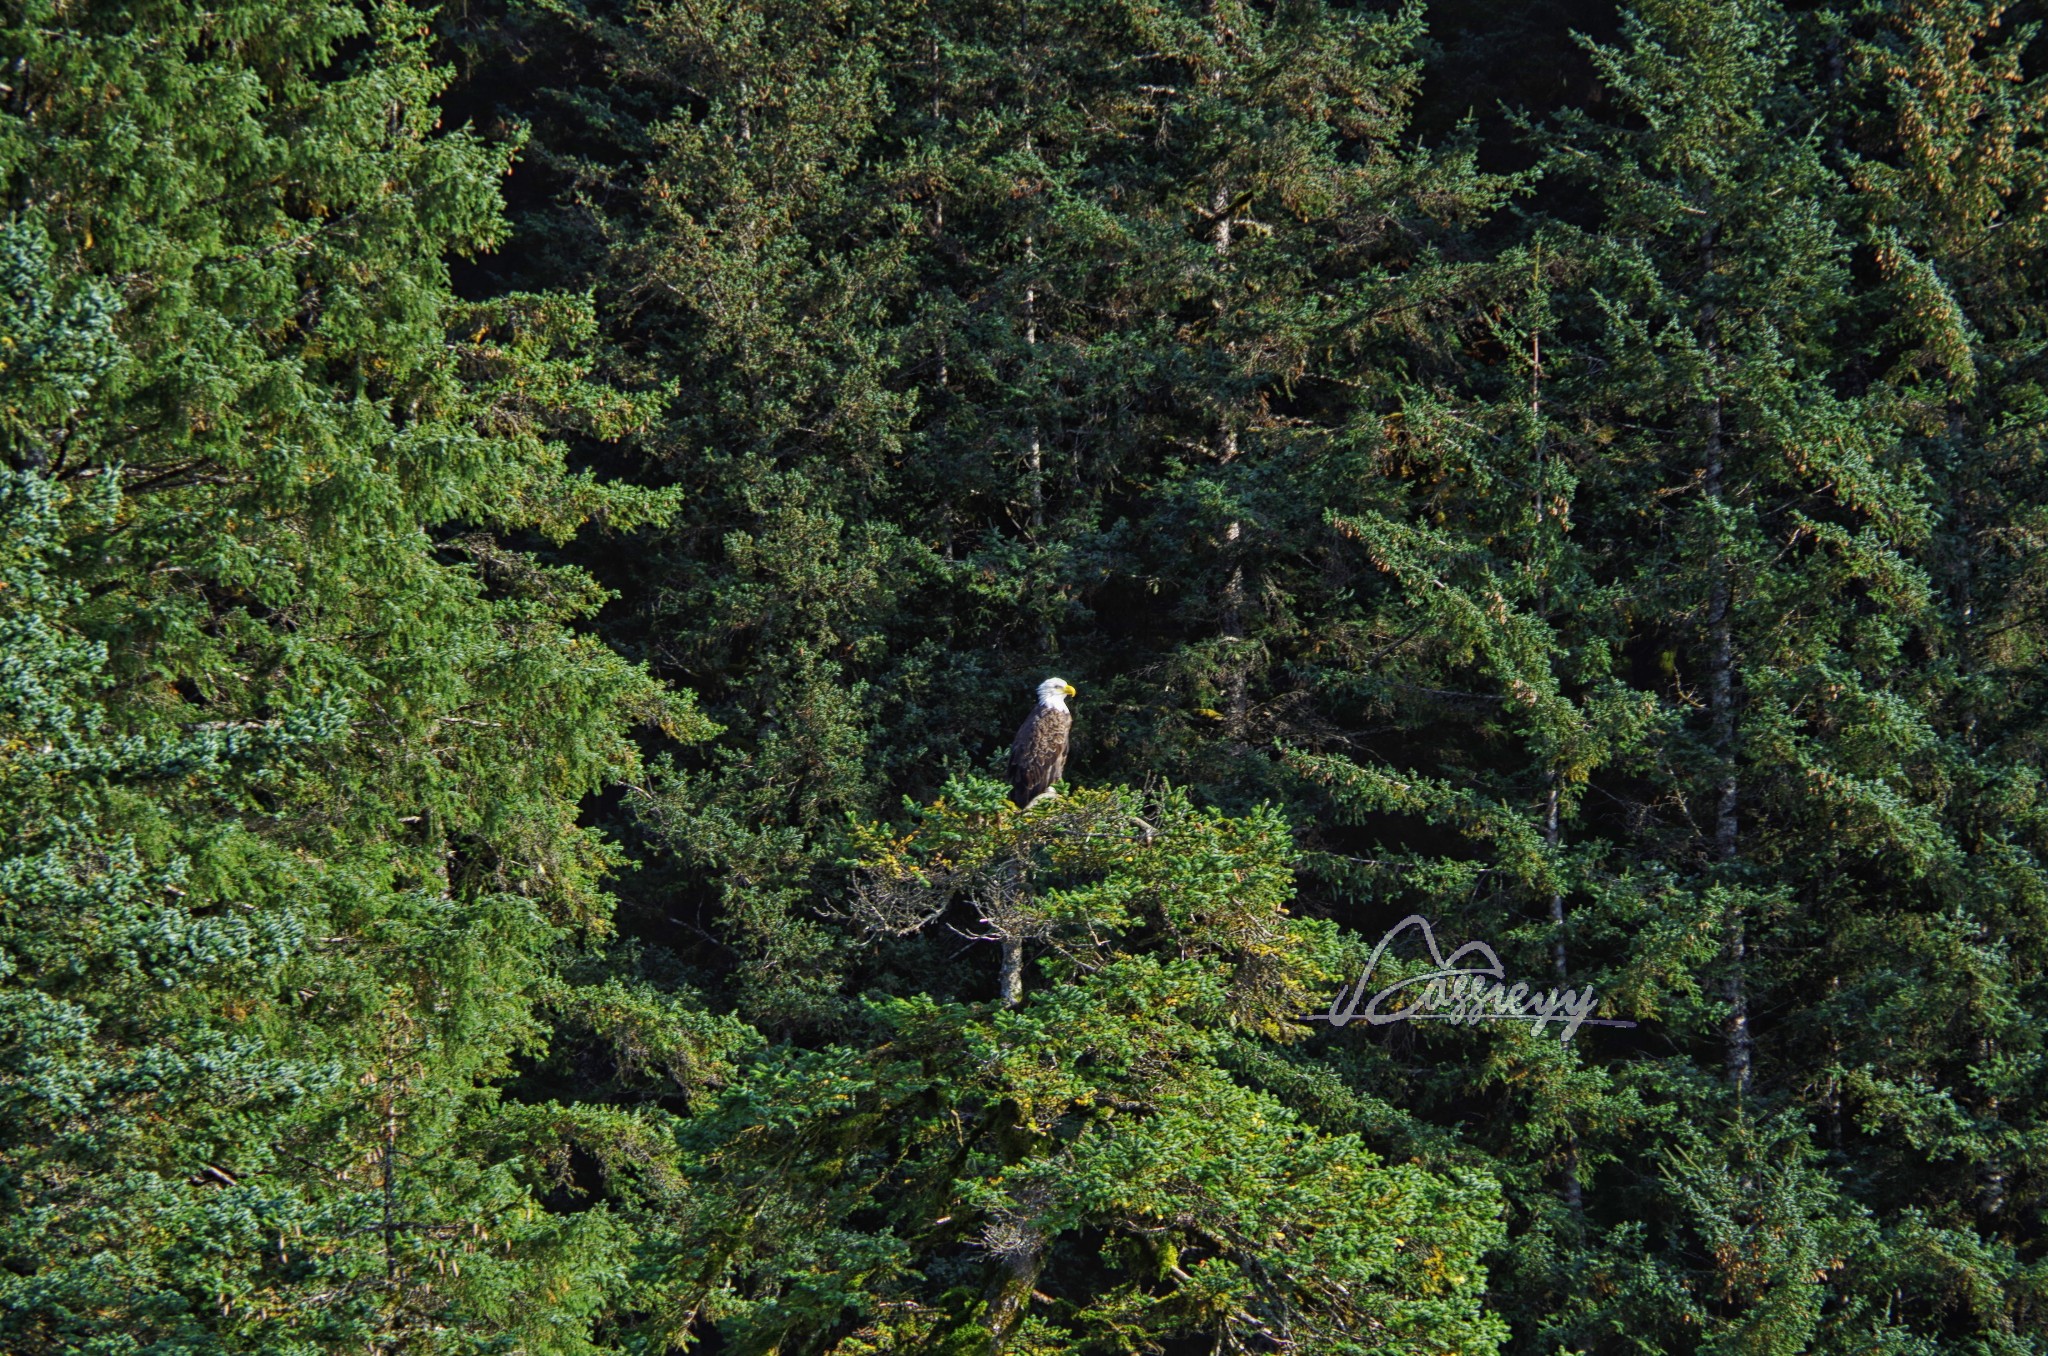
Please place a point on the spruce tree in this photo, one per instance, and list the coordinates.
(1752, 487)
(1631, 561)
(1013, 334)
(1073, 1167)
(293, 736)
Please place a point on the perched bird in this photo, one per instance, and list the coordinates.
(1039, 753)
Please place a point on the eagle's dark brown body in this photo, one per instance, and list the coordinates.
(1038, 756)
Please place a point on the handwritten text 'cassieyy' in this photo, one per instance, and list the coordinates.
(1454, 991)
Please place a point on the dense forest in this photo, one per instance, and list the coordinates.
(527, 528)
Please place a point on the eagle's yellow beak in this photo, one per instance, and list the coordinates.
(1069, 687)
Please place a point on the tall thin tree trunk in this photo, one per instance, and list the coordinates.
(1831, 1097)
(1034, 457)
(1991, 1173)
(1720, 620)
(1013, 970)
(1721, 713)
(1569, 1187)
(1568, 1177)
(1536, 404)
(388, 1170)
(1236, 676)
(1550, 839)
(1964, 591)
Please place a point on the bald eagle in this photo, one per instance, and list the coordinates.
(1039, 753)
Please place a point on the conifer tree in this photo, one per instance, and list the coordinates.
(984, 374)
(1632, 562)
(1764, 517)
(292, 738)
(1073, 1168)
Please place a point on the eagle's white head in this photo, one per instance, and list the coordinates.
(1054, 692)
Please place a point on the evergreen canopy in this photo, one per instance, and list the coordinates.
(525, 529)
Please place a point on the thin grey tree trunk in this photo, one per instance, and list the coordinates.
(1034, 456)
(1013, 970)
(1727, 793)
(1568, 1178)
(1236, 681)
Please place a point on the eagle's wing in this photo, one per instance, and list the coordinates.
(1039, 754)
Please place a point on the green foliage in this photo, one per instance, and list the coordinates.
(1002, 323)
(291, 748)
(1083, 1144)
(1609, 525)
